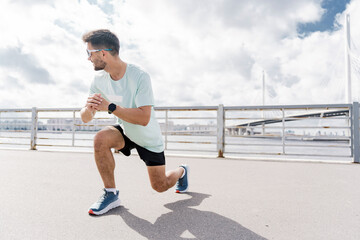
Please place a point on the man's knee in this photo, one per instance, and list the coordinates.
(159, 186)
(108, 138)
(100, 141)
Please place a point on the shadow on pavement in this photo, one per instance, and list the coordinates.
(195, 223)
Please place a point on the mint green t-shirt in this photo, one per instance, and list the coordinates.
(133, 90)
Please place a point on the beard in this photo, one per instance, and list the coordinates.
(99, 65)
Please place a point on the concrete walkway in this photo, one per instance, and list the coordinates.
(46, 195)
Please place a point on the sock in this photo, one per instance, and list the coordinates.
(113, 190)
(183, 173)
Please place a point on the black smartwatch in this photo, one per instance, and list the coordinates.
(111, 108)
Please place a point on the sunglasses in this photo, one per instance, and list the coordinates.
(96, 50)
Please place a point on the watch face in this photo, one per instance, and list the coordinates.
(112, 107)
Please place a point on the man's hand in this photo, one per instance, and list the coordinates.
(140, 116)
(98, 103)
(94, 103)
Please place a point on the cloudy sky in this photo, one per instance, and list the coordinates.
(198, 52)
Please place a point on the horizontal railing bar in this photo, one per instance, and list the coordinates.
(252, 144)
(292, 137)
(60, 125)
(290, 107)
(71, 124)
(91, 125)
(287, 154)
(199, 135)
(318, 138)
(278, 134)
(192, 131)
(103, 118)
(71, 118)
(76, 139)
(22, 144)
(186, 118)
(288, 127)
(287, 145)
(2, 118)
(287, 118)
(66, 132)
(57, 109)
(317, 146)
(69, 132)
(187, 108)
(66, 118)
(212, 129)
(5, 137)
(44, 138)
(169, 141)
(316, 118)
(83, 132)
(50, 145)
(16, 110)
(192, 150)
(254, 136)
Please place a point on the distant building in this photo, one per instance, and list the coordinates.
(60, 124)
(201, 128)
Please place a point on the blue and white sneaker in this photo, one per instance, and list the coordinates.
(106, 202)
(182, 184)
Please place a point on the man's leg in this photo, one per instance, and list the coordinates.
(104, 140)
(161, 181)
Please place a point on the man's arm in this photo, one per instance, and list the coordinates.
(139, 116)
(87, 113)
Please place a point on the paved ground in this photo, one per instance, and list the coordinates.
(45, 195)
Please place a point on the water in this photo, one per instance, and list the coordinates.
(235, 146)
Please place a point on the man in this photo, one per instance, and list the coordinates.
(124, 90)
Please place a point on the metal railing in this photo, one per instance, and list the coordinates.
(288, 130)
(283, 130)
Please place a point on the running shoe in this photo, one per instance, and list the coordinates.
(106, 202)
(182, 184)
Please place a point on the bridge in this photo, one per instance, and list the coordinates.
(244, 127)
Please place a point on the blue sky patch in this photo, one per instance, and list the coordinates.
(326, 23)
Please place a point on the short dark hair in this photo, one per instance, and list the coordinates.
(103, 38)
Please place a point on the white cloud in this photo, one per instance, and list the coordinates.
(197, 52)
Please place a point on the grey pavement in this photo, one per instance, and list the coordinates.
(46, 195)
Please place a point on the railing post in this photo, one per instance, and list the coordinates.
(355, 132)
(34, 120)
(166, 128)
(220, 131)
(283, 131)
(73, 129)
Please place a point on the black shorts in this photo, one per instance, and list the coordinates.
(150, 158)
